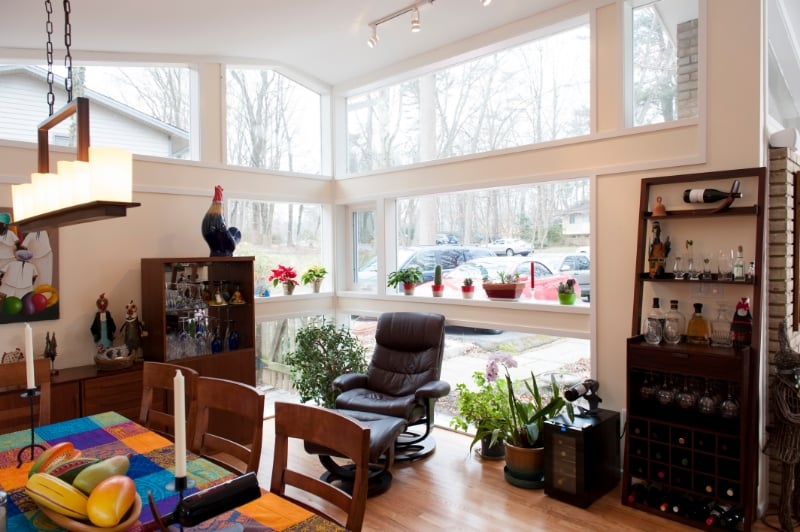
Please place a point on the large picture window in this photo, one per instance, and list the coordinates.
(530, 93)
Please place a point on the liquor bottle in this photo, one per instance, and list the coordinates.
(707, 195)
(742, 325)
(674, 324)
(654, 326)
(698, 331)
(637, 493)
(721, 326)
(211, 502)
(738, 265)
(731, 518)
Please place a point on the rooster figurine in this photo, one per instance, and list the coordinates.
(221, 240)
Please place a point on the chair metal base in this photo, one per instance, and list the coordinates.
(378, 481)
(413, 450)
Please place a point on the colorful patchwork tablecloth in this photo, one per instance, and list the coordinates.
(152, 459)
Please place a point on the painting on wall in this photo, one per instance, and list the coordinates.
(28, 273)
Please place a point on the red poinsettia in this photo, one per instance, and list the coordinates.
(283, 274)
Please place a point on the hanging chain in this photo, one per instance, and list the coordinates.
(67, 44)
(51, 98)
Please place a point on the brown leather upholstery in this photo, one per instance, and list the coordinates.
(326, 428)
(402, 379)
(234, 407)
(156, 412)
(13, 381)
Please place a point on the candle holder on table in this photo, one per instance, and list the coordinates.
(30, 393)
(180, 484)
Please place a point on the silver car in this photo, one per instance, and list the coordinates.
(577, 265)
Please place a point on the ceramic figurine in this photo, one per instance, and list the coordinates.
(659, 209)
(103, 327)
(132, 330)
(220, 239)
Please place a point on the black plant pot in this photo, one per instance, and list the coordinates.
(492, 452)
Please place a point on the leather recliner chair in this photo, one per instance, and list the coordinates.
(403, 378)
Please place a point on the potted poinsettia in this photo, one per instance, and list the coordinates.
(284, 275)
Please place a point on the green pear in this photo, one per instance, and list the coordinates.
(94, 474)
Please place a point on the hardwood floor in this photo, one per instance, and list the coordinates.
(454, 490)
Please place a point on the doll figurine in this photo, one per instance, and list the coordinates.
(132, 330)
(103, 327)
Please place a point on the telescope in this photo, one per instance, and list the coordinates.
(588, 390)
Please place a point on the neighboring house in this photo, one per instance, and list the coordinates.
(575, 221)
(112, 123)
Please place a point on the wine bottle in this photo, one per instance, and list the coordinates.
(637, 493)
(731, 518)
(587, 387)
(655, 496)
(715, 514)
(211, 502)
(707, 195)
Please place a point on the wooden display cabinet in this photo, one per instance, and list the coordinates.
(673, 446)
(180, 320)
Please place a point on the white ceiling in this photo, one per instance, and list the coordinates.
(325, 39)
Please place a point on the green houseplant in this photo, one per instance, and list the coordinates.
(314, 276)
(486, 409)
(566, 292)
(407, 277)
(323, 352)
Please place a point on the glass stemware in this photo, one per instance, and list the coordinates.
(729, 407)
(666, 394)
(686, 398)
(707, 404)
(648, 390)
(677, 268)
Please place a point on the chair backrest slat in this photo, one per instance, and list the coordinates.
(13, 380)
(156, 411)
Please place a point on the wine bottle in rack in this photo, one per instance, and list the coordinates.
(731, 518)
(655, 495)
(637, 493)
(715, 514)
(707, 195)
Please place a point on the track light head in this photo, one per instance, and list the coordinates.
(372, 42)
(486, 2)
(415, 20)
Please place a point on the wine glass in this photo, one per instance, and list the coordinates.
(648, 390)
(686, 398)
(707, 404)
(677, 267)
(729, 407)
(666, 394)
(725, 265)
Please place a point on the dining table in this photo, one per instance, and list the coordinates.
(152, 459)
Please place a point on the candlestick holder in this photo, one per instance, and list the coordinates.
(180, 484)
(30, 393)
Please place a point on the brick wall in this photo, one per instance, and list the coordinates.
(687, 69)
(783, 165)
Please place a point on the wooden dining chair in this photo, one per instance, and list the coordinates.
(157, 409)
(344, 435)
(229, 423)
(13, 381)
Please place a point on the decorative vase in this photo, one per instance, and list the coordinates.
(567, 299)
(288, 289)
(524, 466)
(467, 292)
(408, 289)
(316, 284)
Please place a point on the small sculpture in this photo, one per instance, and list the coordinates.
(51, 351)
(659, 209)
(132, 330)
(658, 252)
(103, 327)
(220, 239)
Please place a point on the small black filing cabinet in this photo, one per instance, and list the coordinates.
(581, 457)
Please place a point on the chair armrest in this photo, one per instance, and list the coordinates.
(433, 390)
(348, 381)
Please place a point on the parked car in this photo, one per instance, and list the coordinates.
(510, 247)
(577, 265)
(545, 281)
(447, 238)
(425, 258)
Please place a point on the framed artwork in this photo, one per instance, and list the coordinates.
(28, 273)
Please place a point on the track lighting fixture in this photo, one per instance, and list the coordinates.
(486, 2)
(415, 20)
(372, 42)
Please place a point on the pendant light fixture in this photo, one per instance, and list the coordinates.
(95, 186)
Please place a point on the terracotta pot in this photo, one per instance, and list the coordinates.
(525, 463)
(509, 291)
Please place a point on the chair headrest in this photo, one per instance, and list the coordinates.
(410, 331)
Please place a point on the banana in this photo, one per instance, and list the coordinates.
(47, 289)
(54, 494)
(67, 470)
(57, 453)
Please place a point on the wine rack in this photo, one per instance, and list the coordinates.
(684, 461)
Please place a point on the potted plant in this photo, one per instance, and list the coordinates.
(284, 275)
(527, 414)
(485, 409)
(407, 277)
(467, 288)
(314, 276)
(566, 292)
(437, 287)
(509, 287)
(322, 352)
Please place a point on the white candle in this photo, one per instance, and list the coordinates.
(31, 382)
(179, 401)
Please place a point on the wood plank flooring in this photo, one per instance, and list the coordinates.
(453, 490)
